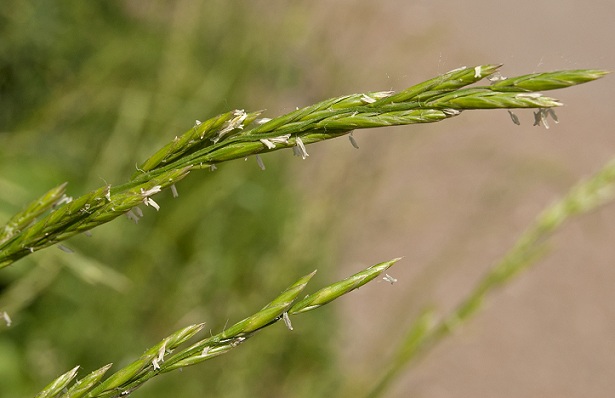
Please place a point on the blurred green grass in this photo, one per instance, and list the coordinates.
(87, 90)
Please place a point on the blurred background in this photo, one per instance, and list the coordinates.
(89, 89)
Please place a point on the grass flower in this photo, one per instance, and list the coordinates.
(161, 358)
(235, 135)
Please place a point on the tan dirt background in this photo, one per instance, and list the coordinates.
(453, 197)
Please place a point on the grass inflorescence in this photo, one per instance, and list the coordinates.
(161, 358)
(237, 134)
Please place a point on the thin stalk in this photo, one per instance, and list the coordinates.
(531, 246)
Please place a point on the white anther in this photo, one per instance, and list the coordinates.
(234, 123)
(7, 318)
(65, 249)
(543, 118)
(63, 199)
(146, 196)
(496, 77)
(152, 203)
(382, 94)
(551, 112)
(259, 161)
(132, 216)
(353, 141)
(514, 118)
(537, 118)
(367, 99)
(451, 112)
(151, 191)
(540, 116)
(389, 278)
(301, 151)
(268, 143)
(108, 193)
(478, 72)
(286, 320)
(282, 139)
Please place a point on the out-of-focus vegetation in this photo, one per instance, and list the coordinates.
(87, 90)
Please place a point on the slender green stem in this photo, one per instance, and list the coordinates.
(584, 197)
